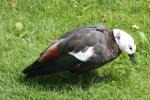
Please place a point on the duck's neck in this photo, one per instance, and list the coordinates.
(113, 46)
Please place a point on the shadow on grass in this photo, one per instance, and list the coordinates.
(62, 81)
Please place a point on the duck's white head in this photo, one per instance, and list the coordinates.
(125, 42)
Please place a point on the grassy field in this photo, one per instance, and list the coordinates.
(28, 26)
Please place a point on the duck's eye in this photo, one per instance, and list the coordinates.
(130, 48)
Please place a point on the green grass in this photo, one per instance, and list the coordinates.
(44, 21)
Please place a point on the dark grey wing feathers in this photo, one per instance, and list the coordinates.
(82, 38)
(98, 27)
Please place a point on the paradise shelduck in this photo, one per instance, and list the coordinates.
(82, 50)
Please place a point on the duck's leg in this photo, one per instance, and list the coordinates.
(81, 70)
(80, 81)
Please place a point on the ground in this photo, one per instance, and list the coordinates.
(27, 27)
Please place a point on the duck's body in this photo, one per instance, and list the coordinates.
(79, 51)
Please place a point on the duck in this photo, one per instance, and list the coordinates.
(82, 50)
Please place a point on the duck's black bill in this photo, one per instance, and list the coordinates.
(132, 58)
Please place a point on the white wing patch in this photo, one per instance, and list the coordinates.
(83, 56)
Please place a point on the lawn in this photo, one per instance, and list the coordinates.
(27, 27)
